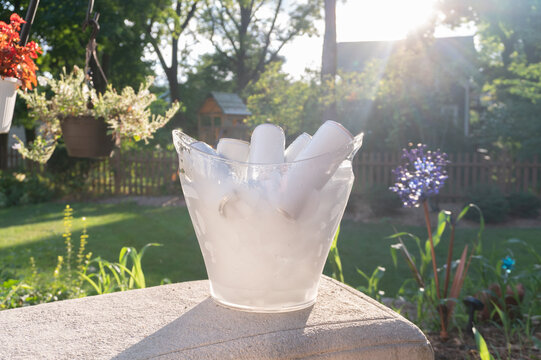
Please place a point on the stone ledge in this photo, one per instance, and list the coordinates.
(180, 321)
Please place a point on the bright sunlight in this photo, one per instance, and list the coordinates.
(362, 20)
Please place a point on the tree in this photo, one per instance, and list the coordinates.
(164, 21)
(278, 99)
(57, 27)
(247, 35)
(205, 76)
(328, 61)
(510, 55)
(297, 105)
(408, 106)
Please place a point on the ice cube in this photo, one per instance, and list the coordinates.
(295, 148)
(267, 145)
(233, 149)
(204, 147)
(314, 166)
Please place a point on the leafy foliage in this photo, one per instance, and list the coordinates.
(510, 57)
(161, 23)
(21, 189)
(524, 205)
(57, 27)
(76, 274)
(110, 277)
(39, 287)
(372, 287)
(204, 77)
(278, 99)
(249, 35)
(298, 104)
(482, 346)
(491, 200)
(428, 290)
(334, 258)
(510, 290)
(127, 114)
(383, 201)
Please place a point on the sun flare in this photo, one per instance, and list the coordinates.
(381, 20)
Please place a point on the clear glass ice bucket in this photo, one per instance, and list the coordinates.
(259, 257)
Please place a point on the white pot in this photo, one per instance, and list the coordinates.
(8, 95)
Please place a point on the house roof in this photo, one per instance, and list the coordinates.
(231, 104)
(460, 50)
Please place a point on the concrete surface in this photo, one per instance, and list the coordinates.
(180, 321)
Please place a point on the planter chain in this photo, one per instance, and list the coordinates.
(91, 46)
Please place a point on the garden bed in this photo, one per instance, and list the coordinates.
(464, 347)
(36, 230)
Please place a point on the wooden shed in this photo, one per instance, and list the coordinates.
(222, 115)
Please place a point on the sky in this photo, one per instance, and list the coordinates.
(365, 20)
(357, 20)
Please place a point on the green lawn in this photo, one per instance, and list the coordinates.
(36, 230)
(365, 247)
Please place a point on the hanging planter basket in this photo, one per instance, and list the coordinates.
(8, 95)
(86, 137)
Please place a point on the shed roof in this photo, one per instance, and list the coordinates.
(231, 104)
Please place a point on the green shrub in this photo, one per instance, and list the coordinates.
(491, 201)
(383, 201)
(524, 205)
(21, 189)
(63, 168)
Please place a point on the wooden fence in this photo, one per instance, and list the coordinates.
(150, 173)
(465, 172)
(156, 173)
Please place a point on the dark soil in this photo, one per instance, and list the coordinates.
(459, 348)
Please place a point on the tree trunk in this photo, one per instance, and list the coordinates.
(243, 78)
(328, 61)
(172, 78)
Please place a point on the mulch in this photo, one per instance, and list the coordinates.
(459, 347)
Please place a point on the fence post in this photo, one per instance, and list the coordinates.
(535, 171)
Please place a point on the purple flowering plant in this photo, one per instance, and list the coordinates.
(421, 175)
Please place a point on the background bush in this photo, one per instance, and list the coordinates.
(524, 205)
(383, 201)
(21, 189)
(491, 201)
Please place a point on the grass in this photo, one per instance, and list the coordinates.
(36, 230)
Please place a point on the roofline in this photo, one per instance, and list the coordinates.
(210, 95)
(403, 39)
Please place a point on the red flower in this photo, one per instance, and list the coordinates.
(16, 19)
(15, 60)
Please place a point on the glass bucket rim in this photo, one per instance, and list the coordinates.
(348, 151)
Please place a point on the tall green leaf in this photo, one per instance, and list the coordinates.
(482, 346)
(334, 258)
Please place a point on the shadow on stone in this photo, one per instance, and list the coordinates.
(209, 329)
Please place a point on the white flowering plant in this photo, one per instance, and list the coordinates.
(127, 113)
